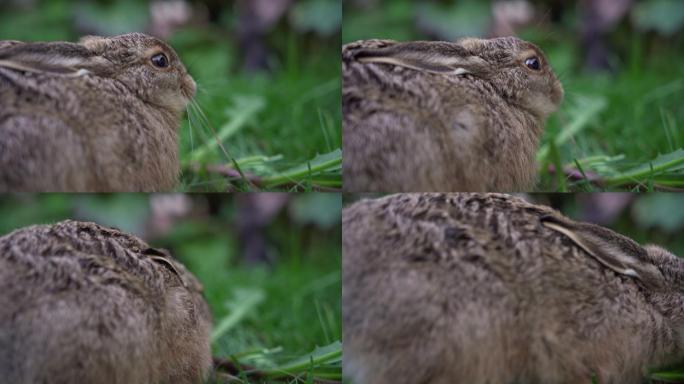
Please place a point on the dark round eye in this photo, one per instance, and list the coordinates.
(533, 63)
(160, 60)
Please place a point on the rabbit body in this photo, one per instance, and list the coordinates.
(92, 116)
(474, 125)
(81, 303)
(474, 288)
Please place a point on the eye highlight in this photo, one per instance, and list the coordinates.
(533, 63)
(160, 60)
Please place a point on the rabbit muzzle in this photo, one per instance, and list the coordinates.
(557, 93)
(188, 87)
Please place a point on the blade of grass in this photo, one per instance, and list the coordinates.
(666, 128)
(322, 163)
(219, 142)
(669, 377)
(245, 301)
(244, 109)
(331, 353)
(560, 176)
(585, 180)
(673, 161)
(587, 108)
(325, 121)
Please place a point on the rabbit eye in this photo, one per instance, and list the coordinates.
(533, 63)
(160, 60)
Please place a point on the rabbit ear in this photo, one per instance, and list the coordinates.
(55, 58)
(4, 44)
(162, 256)
(40, 67)
(97, 44)
(614, 251)
(433, 57)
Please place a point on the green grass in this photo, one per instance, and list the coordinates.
(277, 131)
(619, 132)
(276, 325)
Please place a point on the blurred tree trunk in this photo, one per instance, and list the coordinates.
(256, 18)
(255, 212)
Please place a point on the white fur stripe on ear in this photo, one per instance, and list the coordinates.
(163, 260)
(17, 66)
(611, 257)
(64, 71)
(440, 68)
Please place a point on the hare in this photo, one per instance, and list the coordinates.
(487, 288)
(432, 116)
(81, 303)
(100, 115)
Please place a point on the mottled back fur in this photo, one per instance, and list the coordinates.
(487, 288)
(81, 303)
(440, 116)
(92, 116)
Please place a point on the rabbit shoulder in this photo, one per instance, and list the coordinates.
(443, 287)
(84, 303)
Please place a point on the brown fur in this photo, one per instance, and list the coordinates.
(476, 288)
(92, 116)
(81, 303)
(421, 125)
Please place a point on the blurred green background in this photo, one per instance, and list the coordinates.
(269, 263)
(267, 73)
(620, 126)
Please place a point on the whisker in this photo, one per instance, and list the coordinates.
(203, 116)
(196, 119)
(200, 87)
(192, 144)
(200, 116)
(190, 64)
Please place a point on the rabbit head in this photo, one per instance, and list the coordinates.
(518, 70)
(660, 272)
(114, 103)
(146, 66)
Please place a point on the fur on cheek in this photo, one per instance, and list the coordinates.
(177, 103)
(543, 106)
(167, 99)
